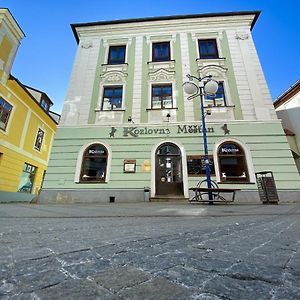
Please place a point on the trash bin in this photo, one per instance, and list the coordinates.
(146, 194)
(266, 187)
(112, 199)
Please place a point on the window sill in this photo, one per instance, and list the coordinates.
(150, 109)
(120, 64)
(91, 182)
(160, 61)
(111, 110)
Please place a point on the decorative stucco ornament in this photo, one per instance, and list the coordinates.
(86, 44)
(241, 35)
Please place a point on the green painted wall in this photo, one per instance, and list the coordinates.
(144, 100)
(268, 146)
(95, 93)
(193, 55)
(130, 80)
(238, 115)
(179, 82)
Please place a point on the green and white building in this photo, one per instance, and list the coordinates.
(127, 125)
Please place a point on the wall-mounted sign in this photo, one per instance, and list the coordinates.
(129, 165)
(142, 131)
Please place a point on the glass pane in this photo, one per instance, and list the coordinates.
(116, 103)
(94, 169)
(167, 90)
(203, 49)
(118, 92)
(230, 149)
(167, 102)
(156, 91)
(108, 92)
(106, 104)
(161, 51)
(168, 149)
(156, 103)
(96, 150)
(27, 179)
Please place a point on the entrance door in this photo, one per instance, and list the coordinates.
(168, 170)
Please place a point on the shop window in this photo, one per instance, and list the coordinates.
(232, 163)
(161, 51)
(196, 165)
(208, 49)
(161, 96)
(116, 55)
(94, 164)
(27, 178)
(218, 99)
(112, 98)
(39, 140)
(5, 111)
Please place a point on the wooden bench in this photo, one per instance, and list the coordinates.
(201, 194)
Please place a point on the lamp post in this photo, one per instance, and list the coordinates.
(209, 87)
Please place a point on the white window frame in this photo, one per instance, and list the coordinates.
(80, 157)
(174, 102)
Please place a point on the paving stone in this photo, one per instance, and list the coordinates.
(85, 269)
(228, 288)
(252, 271)
(119, 278)
(287, 293)
(186, 276)
(158, 288)
(209, 264)
(75, 289)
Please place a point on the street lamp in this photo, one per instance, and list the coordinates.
(205, 86)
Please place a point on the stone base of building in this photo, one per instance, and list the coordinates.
(11, 197)
(139, 195)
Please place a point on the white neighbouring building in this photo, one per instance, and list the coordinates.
(127, 126)
(287, 107)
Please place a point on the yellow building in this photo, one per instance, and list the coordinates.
(27, 126)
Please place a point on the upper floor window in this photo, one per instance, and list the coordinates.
(161, 96)
(232, 163)
(94, 164)
(116, 55)
(5, 110)
(39, 139)
(45, 105)
(161, 51)
(208, 48)
(112, 98)
(218, 99)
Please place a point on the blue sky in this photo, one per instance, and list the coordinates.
(46, 55)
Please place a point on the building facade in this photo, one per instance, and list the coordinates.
(26, 126)
(287, 107)
(127, 126)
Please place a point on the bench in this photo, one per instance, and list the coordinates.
(201, 194)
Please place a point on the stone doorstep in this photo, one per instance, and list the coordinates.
(168, 199)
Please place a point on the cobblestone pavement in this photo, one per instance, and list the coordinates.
(149, 251)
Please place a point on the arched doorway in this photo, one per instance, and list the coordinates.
(168, 170)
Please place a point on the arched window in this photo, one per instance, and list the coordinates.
(94, 164)
(232, 163)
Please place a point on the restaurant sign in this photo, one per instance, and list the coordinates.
(136, 132)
